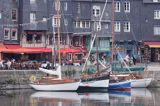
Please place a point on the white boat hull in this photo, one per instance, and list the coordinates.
(56, 87)
(94, 84)
(140, 83)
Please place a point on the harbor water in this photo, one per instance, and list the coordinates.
(28, 97)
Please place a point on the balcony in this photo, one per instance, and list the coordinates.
(33, 44)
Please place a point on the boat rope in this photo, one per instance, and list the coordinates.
(105, 5)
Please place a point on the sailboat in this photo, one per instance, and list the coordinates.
(98, 81)
(55, 83)
(135, 81)
(115, 83)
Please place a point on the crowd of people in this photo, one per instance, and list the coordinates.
(18, 65)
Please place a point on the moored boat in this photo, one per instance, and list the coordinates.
(121, 86)
(136, 82)
(140, 83)
(97, 83)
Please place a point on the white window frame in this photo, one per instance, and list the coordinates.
(55, 21)
(127, 6)
(7, 37)
(87, 25)
(155, 1)
(32, 17)
(0, 15)
(117, 26)
(95, 9)
(156, 14)
(156, 30)
(99, 26)
(82, 24)
(32, 1)
(117, 6)
(57, 6)
(16, 34)
(65, 6)
(127, 26)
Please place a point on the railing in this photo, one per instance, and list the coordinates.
(33, 45)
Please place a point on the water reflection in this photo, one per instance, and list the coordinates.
(68, 98)
(136, 97)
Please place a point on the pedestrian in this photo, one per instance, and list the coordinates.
(134, 59)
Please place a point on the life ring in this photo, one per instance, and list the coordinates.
(32, 78)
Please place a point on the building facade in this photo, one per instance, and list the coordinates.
(33, 24)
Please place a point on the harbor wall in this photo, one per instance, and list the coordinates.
(16, 79)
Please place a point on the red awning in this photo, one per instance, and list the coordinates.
(153, 44)
(27, 50)
(8, 46)
(69, 50)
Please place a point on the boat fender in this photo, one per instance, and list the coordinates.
(32, 78)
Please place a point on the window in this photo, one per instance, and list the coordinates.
(96, 11)
(117, 6)
(126, 6)
(6, 33)
(37, 38)
(32, 1)
(0, 15)
(99, 26)
(65, 22)
(44, 19)
(117, 26)
(57, 5)
(156, 30)
(65, 6)
(79, 8)
(156, 14)
(155, 0)
(69, 57)
(82, 24)
(87, 24)
(55, 22)
(14, 14)
(32, 17)
(14, 34)
(126, 26)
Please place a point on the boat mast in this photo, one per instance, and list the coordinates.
(97, 53)
(58, 29)
(113, 36)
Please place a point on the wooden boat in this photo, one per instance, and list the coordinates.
(136, 82)
(55, 83)
(121, 86)
(52, 83)
(96, 83)
(140, 83)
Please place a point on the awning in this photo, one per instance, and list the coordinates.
(12, 46)
(17, 49)
(69, 50)
(27, 50)
(153, 44)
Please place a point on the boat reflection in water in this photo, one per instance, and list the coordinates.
(68, 98)
(137, 96)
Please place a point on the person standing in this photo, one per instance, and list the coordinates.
(134, 59)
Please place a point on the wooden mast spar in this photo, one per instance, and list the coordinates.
(113, 37)
(58, 29)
